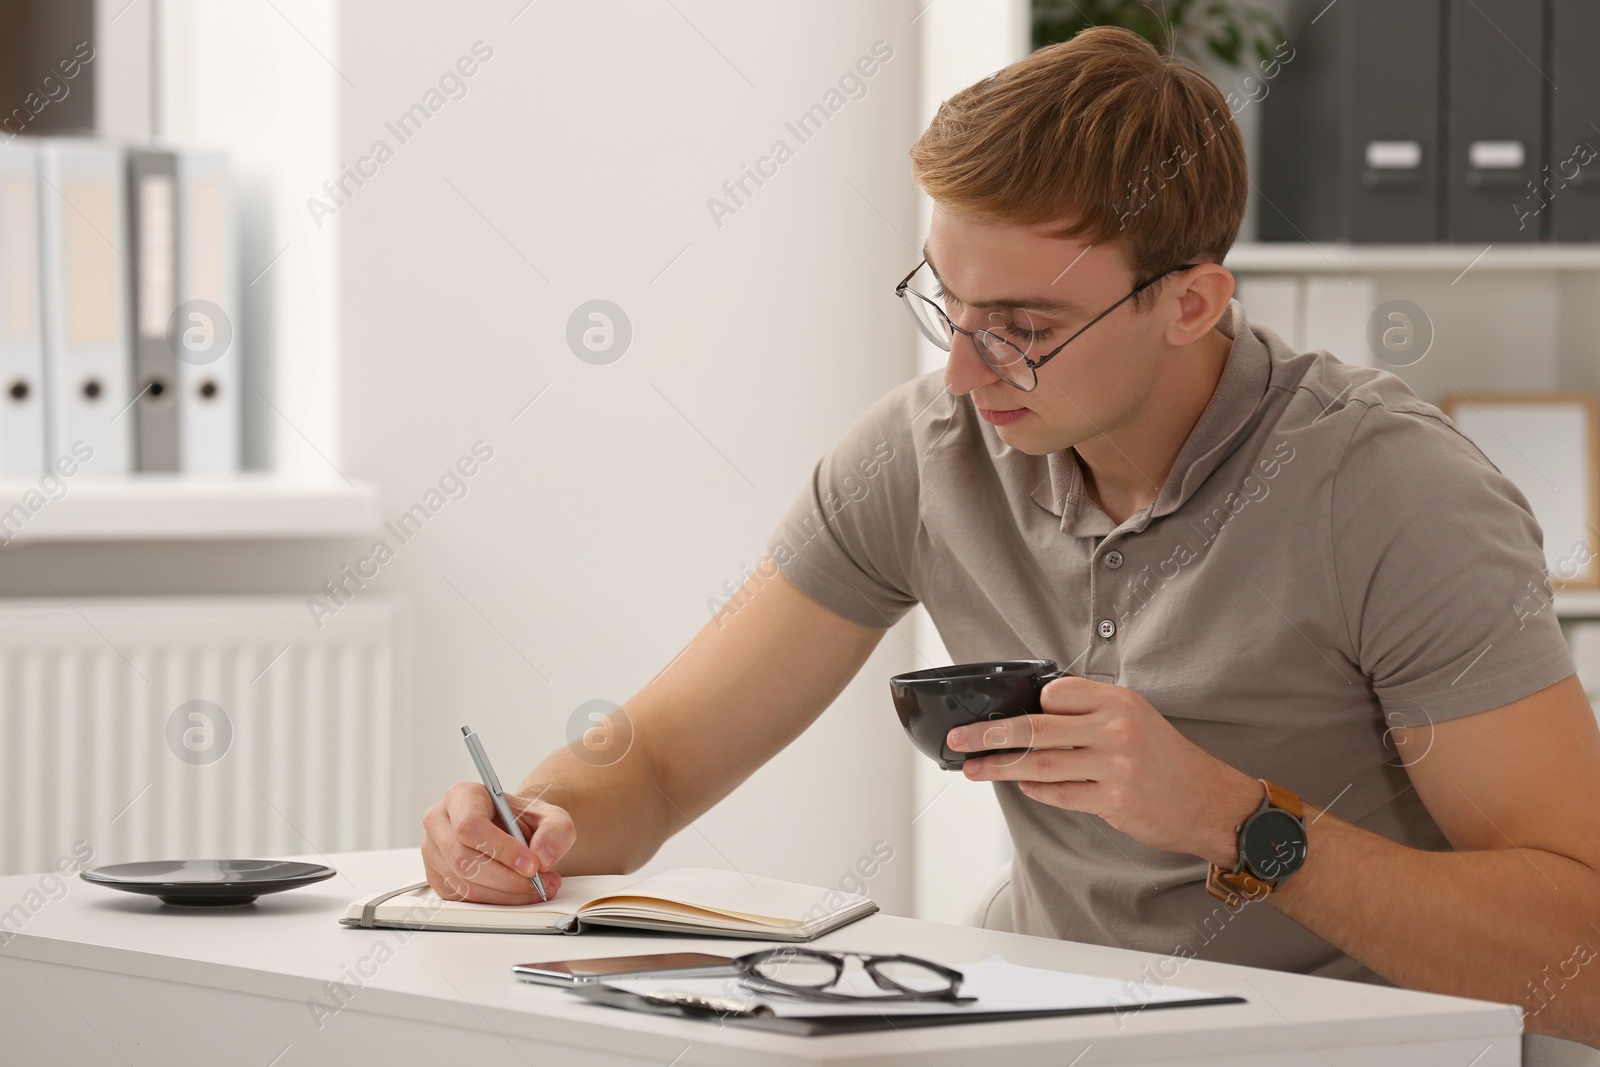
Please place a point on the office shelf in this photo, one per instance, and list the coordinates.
(1291, 257)
(161, 507)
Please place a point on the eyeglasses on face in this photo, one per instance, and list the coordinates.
(1010, 363)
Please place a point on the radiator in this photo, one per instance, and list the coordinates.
(117, 714)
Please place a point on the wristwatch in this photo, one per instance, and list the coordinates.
(1272, 846)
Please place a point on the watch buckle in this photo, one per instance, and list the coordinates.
(1235, 888)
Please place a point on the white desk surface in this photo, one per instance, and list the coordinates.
(98, 974)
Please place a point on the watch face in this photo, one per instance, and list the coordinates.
(1273, 844)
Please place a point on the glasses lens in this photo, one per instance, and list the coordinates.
(796, 969)
(929, 319)
(912, 977)
(1004, 359)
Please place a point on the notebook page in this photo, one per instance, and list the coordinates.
(425, 906)
(746, 898)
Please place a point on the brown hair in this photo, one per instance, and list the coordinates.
(1133, 145)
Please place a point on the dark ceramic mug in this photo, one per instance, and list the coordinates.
(933, 702)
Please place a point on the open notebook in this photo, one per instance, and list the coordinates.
(690, 900)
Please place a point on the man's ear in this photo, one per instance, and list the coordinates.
(1203, 293)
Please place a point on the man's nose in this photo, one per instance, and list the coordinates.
(964, 369)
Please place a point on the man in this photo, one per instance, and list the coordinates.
(1291, 594)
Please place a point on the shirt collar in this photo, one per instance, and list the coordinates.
(1238, 396)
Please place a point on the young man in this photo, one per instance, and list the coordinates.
(1284, 584)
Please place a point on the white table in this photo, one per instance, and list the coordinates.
(103, 977)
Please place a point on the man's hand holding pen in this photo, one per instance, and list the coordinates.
(469, 857)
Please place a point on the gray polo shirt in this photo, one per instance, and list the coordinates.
(1328, 559)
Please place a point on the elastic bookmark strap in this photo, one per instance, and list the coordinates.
(369, 910)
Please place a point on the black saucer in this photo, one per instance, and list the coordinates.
(208, 883)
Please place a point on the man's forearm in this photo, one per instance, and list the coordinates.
(749, 683)
(1515, 925)
(620, 815)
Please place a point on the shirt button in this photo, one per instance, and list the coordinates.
(1107, 628)
(1113, 559)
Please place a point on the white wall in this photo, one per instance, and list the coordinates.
(961, 837)
(578, 166)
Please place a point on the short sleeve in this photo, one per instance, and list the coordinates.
(1441, 571)
(848, 538)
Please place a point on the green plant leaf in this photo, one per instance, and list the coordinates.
(1224, 28)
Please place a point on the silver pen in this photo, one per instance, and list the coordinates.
(491, 782)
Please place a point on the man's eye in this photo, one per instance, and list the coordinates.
(1017, 333)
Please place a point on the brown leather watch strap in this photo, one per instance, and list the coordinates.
(1233, 888)
(1280, 797)
(1236, 887)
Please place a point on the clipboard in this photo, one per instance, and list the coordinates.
(707, 1010)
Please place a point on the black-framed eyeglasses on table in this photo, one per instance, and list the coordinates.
(810, 973)
(1014, 366)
